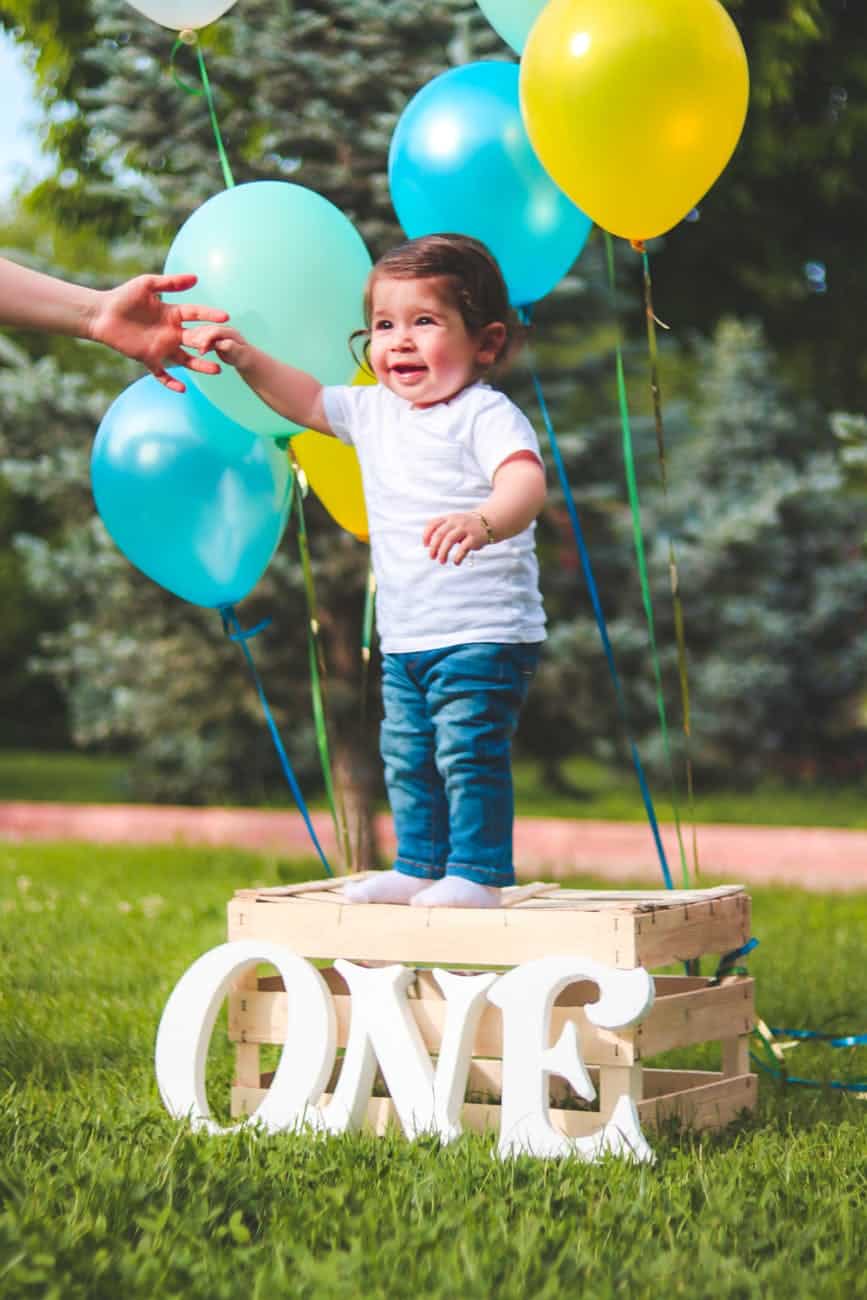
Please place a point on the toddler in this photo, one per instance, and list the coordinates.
(452, 473)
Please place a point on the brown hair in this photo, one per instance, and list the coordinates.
(475, 281)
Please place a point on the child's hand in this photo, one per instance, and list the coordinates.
(228, 344)
(454, 535)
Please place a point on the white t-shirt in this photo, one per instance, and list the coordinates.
(415, 465)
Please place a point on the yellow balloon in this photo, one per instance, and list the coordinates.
(634, 106)
(332, 470)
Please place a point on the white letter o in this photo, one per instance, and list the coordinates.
(184, 1036)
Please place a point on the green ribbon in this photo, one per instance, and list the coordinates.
(316, 662)
(204, 89)
(679, 626)
(638, 540)
(367, 639)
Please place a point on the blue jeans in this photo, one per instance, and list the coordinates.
(450, 715)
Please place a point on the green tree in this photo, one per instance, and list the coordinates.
(138, 666)
(780, 235)
(314, 97)
(774, 576)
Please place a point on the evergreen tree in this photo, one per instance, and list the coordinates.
(773, 575)
(314, 99)
(771, 583)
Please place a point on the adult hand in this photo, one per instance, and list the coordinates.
(134, 320)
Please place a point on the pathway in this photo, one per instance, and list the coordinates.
(813, 858)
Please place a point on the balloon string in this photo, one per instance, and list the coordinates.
(595, 601)
(366, 647)
(366, 644)
(820, 1036)
(367, 631)
(679, 625)
(638, 541)
(836, 1085)
(205, 89)
(236, 633)
(316, 661)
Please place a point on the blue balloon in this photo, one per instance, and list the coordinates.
(461, 160)
(195, 501)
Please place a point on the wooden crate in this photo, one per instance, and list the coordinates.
(623, 929)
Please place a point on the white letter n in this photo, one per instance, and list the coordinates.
(383, 1029)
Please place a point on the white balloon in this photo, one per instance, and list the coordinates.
(182, 14)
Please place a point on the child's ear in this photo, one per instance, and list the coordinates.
(491, 342)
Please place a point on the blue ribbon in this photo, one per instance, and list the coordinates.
(600, 617)
(235, 632)
(835, 1084)
(829, 1040)
(728, 962)
(727, 966)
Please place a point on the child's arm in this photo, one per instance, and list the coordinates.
(516, 498)
(291, 393)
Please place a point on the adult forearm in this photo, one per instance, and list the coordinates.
(31, 300)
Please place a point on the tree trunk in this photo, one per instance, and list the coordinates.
(355, 781)
(354, 730)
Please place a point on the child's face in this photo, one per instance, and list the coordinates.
(420, 346)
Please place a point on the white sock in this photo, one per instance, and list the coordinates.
(385, 887)
(455, 891)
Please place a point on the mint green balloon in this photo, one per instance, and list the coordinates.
(512, 19)
(289, 268)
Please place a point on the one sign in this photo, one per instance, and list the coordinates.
(427, 1097)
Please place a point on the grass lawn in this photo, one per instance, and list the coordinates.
(595, 792)
(102, 1195)
(61, 777)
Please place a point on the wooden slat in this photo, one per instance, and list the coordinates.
(697, 1016)
(266, 892)
(621, 935)
(614, 1082)
(445, 936)
(487, 1076)
(262, 1019)
(674, 934)
(610, 1082)
(736, 1056)
(658, 1083)
(637, 899)
(710, 1104)
(485, 1079)
(666, 985)
(677, 1019)
(247, 1050)
(515, 894)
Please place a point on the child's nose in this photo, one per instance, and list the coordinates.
(401, 335)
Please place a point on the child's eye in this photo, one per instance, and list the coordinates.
(382, 325)
(425, 320)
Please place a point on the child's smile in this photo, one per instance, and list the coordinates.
(406, 369)
(420, 347)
